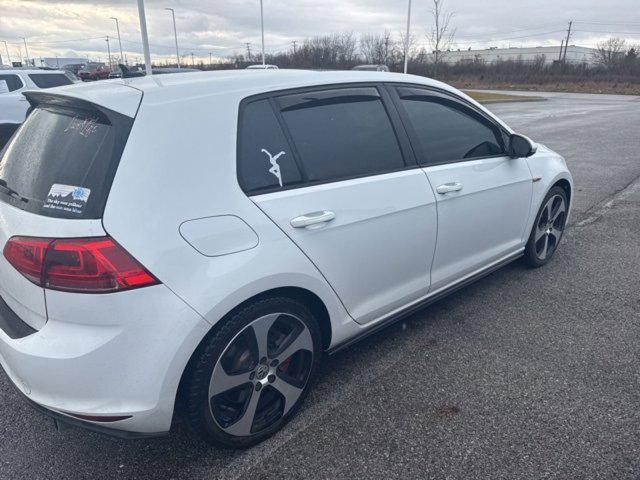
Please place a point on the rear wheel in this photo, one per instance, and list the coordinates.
(252, 374)
(548, 228)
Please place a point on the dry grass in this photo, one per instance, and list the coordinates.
(490, 97)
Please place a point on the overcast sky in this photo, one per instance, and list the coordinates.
(72, 27)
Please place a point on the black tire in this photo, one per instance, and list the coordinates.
(198, 407)
(533, 251)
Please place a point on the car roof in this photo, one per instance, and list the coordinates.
(242, 83)
(5, 71)
(231, 84)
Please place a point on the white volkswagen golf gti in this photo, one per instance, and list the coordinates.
(197, 242)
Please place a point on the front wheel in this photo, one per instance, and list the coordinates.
(548, 228)
(252, 374)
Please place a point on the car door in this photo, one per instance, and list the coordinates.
(483, 195)
(329, 168)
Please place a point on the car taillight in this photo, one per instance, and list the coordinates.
(83, 265)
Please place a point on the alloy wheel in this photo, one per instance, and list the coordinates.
(550, 227)
(261, 374)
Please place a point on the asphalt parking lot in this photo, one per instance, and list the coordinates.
(526, 374)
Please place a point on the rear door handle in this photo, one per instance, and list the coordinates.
(314, 218)
(449, 187)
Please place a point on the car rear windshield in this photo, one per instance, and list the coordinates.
(50, 80)
(62, 161)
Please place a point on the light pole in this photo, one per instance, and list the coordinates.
(175, 34)
(406, 40)
(145, 37)
(109, 53)
(119, 39)
(26, 50)
(262, 28)
(7, 50)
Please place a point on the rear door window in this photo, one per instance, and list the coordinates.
(62, 161)
(50, 80)
(13, 82)
(265, 161)
(341, 133)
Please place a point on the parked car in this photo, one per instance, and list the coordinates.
(132, 72)
(13, 105)
(93, 72)
(209, 236)
(371, 68)
(262, 67)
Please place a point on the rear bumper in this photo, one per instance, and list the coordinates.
(118, 355)
(60, 418)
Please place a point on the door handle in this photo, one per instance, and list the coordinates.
(314, 218)
(449, 187)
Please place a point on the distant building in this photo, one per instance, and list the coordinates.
(575, 54)
(61, 62)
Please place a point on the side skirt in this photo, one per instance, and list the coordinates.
(396, 317)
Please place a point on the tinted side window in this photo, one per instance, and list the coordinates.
(13, 81)
(50, 80)
(341, 133)
(264, 158)
(448, 131)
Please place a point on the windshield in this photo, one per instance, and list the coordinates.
(61, 162)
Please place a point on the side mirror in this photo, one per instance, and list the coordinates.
(521, 146)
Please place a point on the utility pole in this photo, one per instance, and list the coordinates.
(248, 51)
(262, 28)
(193, 62)
(295, 43)
(7, 50)
(210, 59)
(406, 40)
(119, 39)
(561, 47)
(26, 50)
(566, 44)
(109, 53)
(175, 34)
(145, 37)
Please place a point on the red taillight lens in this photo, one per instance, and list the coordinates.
(27, 256)
(84, 265)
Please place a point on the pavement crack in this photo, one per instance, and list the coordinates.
(603, 207)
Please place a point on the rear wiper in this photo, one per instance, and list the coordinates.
(11, 192)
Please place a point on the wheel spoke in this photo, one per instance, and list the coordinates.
(539, 233)
(545, 247)
(261, 331)
(301, 342)
(242, 427)
(221, 381)
(556, 233)
(548, 208)
(288, 391)
(558, 211)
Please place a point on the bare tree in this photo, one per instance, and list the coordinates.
(610, 52)
(442, 34)
(378, 48)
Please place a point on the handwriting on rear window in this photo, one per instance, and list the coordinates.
(83, 126)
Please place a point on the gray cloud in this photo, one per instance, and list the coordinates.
(72, 26)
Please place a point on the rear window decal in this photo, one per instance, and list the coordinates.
(84, 126)
(275, 168)
(67, 198)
